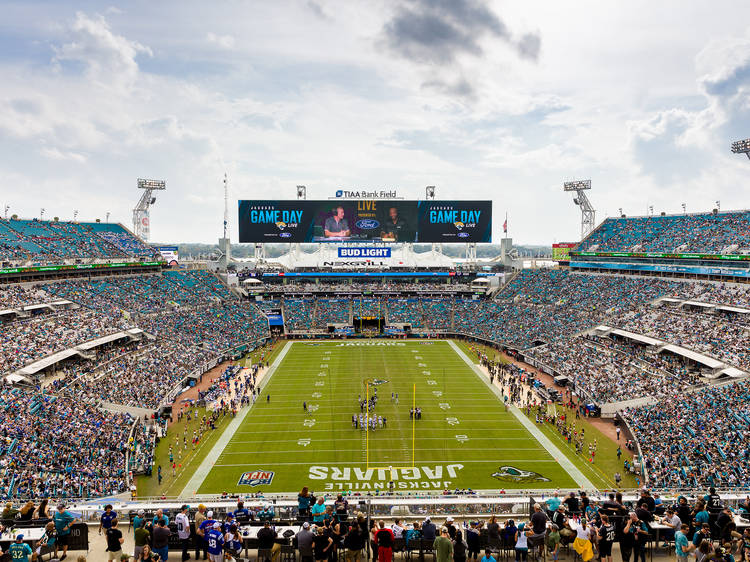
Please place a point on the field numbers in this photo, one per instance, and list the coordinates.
(422, 365)
(428, 373)
(437, 393)
(317, 395)
(444, 406)
(462, 438)
(303, 442)
(322, 374)
(417, 357)
(431, 382)
(312, 407)
(319, 383)
(309, 423)
(452, 421)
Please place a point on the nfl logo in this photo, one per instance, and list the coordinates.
(256, 478)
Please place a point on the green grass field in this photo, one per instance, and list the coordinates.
(464, 437)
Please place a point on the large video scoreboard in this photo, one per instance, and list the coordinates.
(365, 221)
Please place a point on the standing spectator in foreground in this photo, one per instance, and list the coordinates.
(472, 540)
(354, 542)
(147, 555)
(267, 540)
(322, 543)
(105, 521)
(443, 546)
(384, 539)
(493, 532)
(303, 504)
(342, 508)
(215, 542)
(305, 543)
(200, 543)
(428, 530)
(459, 547)
(161, 539)
(63, 521)
(114, 541)
(232, 541)
(319, 511)
(682, 545)
(183, 530)
(141, 536)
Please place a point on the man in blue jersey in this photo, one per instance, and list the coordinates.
(215, 542)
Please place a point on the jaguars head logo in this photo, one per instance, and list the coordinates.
(459, 225)
(281, 225)
(513, 474)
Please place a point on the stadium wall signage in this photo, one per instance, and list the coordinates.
(724, 257)
(349, 252)
(382, 194)
(371, 343)
(80, 266)
(366, 219)
(353, 263)
(411, 478)
(723, 271)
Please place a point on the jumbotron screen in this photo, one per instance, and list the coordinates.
(365, 221)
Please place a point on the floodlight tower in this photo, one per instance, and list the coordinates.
(225, 247)
(741, 147)
(141, 222)
(588, 213)
(429, 195)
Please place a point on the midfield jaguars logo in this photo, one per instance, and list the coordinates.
(513, 474)
(256, 478)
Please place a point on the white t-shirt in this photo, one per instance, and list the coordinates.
(183, 525)
(582, 533)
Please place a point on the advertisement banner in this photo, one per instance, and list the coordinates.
(170, 254)
(562, 250)
(364, 221)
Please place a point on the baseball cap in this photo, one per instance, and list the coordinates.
(210, 514)
(426, 519)
(305, 525)
(184, 507)
(19, 537)
(449, 520)
(217, 525)
(60, 506)
(141, 512)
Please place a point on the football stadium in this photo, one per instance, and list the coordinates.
(369, 373)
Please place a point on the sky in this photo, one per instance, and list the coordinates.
(483, 99)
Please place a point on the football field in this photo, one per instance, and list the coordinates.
(464, 439)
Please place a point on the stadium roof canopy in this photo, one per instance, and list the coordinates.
(709, 362)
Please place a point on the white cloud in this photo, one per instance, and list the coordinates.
(223, 41)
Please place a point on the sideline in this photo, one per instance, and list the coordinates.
(196, 480)
(543, 440)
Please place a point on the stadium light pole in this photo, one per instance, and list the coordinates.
(107, 216)
(429, 192)
(301, 192)
(651, 210)
(7, 207)
(41, 214)
(718, 205)
(741, 147)
(620, 210)
(75, 215)
(588, 213)
(684, 209)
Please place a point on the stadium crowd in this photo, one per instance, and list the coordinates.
(695, 439)
(708, 233)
